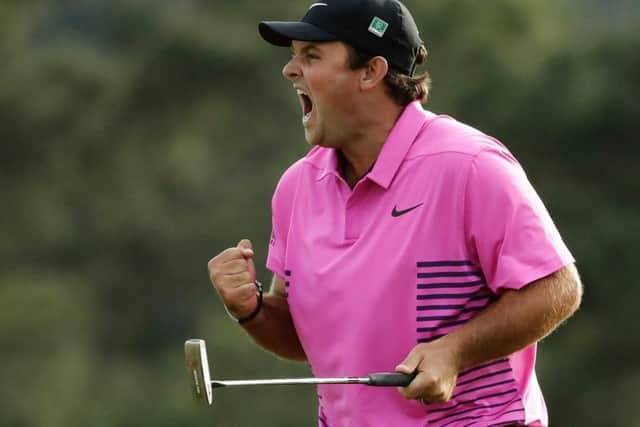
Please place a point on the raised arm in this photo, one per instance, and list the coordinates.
(233, 274)
(272, 328)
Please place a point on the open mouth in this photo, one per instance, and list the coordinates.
(306, 104)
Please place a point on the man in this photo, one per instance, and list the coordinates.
(402, 240)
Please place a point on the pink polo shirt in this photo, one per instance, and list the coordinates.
(444, 221)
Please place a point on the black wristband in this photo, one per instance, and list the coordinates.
(258, 307)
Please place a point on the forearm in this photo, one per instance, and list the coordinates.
(517, 319)
(273, 328)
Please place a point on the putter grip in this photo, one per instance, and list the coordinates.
(390, 379)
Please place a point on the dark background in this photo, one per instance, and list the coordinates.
(140, 138)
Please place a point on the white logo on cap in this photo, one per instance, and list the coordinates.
(317, 4)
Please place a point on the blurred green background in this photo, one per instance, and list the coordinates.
(139, 138)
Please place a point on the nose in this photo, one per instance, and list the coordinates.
(291, 69)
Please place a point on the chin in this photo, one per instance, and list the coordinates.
(312, 140)
(315, 139)
(309, 138)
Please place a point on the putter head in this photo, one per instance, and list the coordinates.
(195, 352)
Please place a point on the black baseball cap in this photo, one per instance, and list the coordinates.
(376, 27)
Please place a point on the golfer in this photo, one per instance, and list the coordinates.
(404, 240)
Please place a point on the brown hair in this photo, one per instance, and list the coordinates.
(402, 87)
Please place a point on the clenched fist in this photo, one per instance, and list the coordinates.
(233, 274)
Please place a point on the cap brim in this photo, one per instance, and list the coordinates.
(280, 33)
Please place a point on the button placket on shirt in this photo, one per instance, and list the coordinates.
(353, 220)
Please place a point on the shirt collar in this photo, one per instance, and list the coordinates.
(397, 145)
(393, 152)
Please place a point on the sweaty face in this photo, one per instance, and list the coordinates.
(327, 89)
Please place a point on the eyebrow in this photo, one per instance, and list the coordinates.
(306, 48)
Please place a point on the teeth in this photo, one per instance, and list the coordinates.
(299, 92)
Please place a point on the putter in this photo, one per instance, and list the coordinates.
(202, 386)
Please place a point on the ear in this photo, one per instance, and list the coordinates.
(373, 73)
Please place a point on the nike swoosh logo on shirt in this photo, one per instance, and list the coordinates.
(395, 212)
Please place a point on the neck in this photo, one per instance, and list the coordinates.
(361, 153)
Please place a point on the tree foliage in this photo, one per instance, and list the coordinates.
(140, 138)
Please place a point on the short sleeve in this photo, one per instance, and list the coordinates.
(507, 225)
(281, 209)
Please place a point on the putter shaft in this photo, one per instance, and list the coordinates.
(291, 381)
(380, 379)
